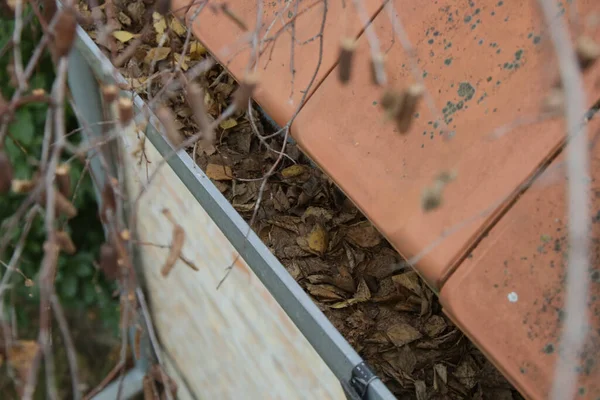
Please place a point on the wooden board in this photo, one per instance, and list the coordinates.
(233, 342)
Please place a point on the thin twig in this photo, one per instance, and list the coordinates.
(574, 326)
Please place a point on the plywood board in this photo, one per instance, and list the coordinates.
(232, 342)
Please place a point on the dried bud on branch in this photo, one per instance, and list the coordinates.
(167, 119)
(164, 379)
(49, 9)
(65, 243)
(149, 388)
(6, 173)
(162, 6)
(243, 94)
(401, 106)
(62, 205)
(109, 264)
(7, 9)
(22, 186)
(125, 235)
(554, 101)
(110, 93)
(64, 32)
(63, 180)
(432, 195)
(109, 202)
(195, 98)
(231, 15)
(377, 64)
(39, 92)
(347, 47)
(588, 51)
(125, 111)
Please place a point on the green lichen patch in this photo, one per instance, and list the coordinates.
(516, 61)
(466, 91)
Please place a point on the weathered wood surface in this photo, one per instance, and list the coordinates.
(236, 342)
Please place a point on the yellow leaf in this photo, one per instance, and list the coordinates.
(157, 54)
(160, 25)
(184, 64)
(228, 123)
(123, 36)
(293, 171)
(344, 304)
(178, 27)
(318, 239)
(208, 100)
(137, 83)
(196, 50)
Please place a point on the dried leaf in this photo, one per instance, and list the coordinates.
(211, 105)
(219, 172)
(123, 36)
(345, 303)
(157, 54)
(434, 326)
(184, 63)
(228, 123)
(440, 377)
(409, 280)
(160, 25)
(362, 292)
(319, 279)
(178, 27)
(323, 292)
(364, 235)
(21, 355)
(402, 359)
(317, 213)
(196, 50)
(378, 338)
(402, 333)
(466, 372)
(137, 83)
(344, 280)
(280, 200)
(421, 390)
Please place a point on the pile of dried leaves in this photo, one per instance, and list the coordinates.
(388, 314)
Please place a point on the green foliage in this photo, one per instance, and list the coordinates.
(78, 283)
